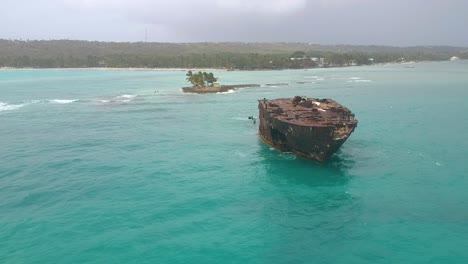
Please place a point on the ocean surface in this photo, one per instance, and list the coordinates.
(122, 167)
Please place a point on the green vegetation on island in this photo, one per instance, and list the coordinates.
(201, 79)
(228, 55)
(204, 82)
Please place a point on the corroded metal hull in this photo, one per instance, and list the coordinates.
(312, 139)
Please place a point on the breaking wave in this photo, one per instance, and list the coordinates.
(127, 96)
(62, 101)
(10, 107)
(33, 102)
(359, 81)
(227, 92)
(18, 105)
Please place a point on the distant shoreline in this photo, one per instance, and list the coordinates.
(205, 69)
(118, 69)
(174, 69)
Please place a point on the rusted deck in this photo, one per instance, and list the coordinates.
(308, 111)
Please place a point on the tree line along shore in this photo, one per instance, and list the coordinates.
(229, 56)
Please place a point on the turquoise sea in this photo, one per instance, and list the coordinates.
(122, 167)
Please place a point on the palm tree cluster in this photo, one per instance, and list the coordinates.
(201, 79)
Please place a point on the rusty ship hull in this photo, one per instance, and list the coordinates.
(311, 128)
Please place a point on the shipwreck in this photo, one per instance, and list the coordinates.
(309, 127)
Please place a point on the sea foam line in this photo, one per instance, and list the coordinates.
(124, 98)
(62, 101)
(127, 96)
(359, 81)
(10, 107)
(227, 92)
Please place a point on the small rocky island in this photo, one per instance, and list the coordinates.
(203, 82)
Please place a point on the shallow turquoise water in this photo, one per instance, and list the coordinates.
(114, 172)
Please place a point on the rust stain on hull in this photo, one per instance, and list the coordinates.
(311, 128)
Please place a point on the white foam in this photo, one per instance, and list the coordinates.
(227, 92)
(113, 101)
(9, 107)
(127, 96)
(63, 101)
(124, 98)
(240, 118)
(354, 78)
(288, 156)
(359, 81)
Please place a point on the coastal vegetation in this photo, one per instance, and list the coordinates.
(243, 56)
(201, 79)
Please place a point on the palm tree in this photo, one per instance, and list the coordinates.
(189, 76)
(201, 79)
(205, 77)
(211, 79)
(198, 79)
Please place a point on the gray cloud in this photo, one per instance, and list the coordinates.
(395, 22)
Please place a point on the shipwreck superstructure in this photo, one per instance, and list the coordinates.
(309, 127)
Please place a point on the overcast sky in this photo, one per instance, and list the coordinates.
(385, 22)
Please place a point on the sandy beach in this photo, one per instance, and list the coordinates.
(202, 69)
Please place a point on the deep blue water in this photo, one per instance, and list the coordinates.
(121, 167)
